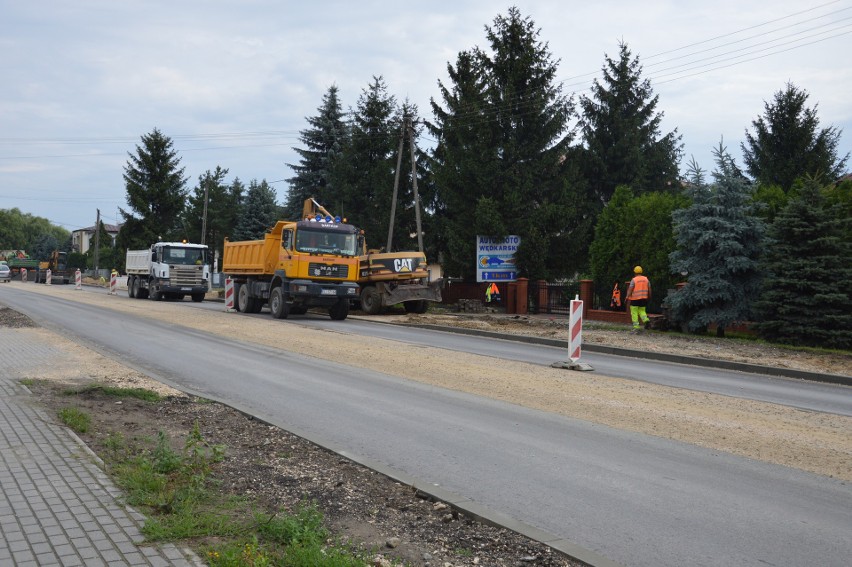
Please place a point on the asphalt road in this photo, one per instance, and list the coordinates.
(630, 498)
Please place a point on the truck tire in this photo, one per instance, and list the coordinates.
(340, 310)
(154, 293)
(141, 292)
(198, 297)
(371, 300)
(278, 303)
(419, 306)
(131, 292)
(245, 304)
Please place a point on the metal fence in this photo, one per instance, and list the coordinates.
(552, 298)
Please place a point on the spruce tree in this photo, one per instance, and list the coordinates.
(788, 143)
(258, 213)
(156, 193)
(365, 173)
(223, 205)
(501, 162)
(718, 245)
(324, 142)
(621, 131)
(806, 295)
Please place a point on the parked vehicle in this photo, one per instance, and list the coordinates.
(168, 270)
(5, 272)
(17, 264)
(389, 278)
(297, 265)
(57, 264)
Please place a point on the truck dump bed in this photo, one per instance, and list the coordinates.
(138, 262)
(251, 257)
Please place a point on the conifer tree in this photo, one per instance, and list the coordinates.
(324, 142)
(621, 131)
(806, 296)
(258, 213)
(788, 143)
(223, 205)
(365, 175)
(718, 245)
(156, 193)
(500, 166)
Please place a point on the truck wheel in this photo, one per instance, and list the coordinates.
(278, 304)
(131, 292)
(340, 310)
(198, 297)
(141, 292)
(154, 293)
(244, 303)
(371, 300)
(419, 306)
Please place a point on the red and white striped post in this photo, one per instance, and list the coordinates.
(575, 329)
(575, 339)
(78, 280)
(23, 274)
(113, 283)
(229, 294)
(47, 277)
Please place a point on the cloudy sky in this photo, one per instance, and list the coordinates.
(232, 82)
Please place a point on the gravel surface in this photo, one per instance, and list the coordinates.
(396, 521)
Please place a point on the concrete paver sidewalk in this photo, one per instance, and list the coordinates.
(57, 507)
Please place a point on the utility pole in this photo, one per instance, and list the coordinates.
(407, 129)
(410, 128)
(97, 242)
(402, 132)
(204, 216)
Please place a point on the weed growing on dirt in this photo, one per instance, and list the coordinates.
(78, 420)
(175, 487)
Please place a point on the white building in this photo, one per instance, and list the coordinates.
(84, 238)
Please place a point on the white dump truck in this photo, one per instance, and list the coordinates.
(168, 270)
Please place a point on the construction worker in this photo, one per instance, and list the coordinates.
(638, 294)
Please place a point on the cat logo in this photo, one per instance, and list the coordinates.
(403, 264)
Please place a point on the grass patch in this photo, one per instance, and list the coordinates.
(177, 491)
(115, 392)
(78, 420)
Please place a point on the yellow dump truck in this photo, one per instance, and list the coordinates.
(298, 265)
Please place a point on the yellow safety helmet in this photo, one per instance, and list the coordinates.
(637, 270)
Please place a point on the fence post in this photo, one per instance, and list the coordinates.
(587, 295)
(522, 297)
(543, 297)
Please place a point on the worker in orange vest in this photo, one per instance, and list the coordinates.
(638, 294)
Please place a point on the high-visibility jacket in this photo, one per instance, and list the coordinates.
(641, 288)
(616, 296)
